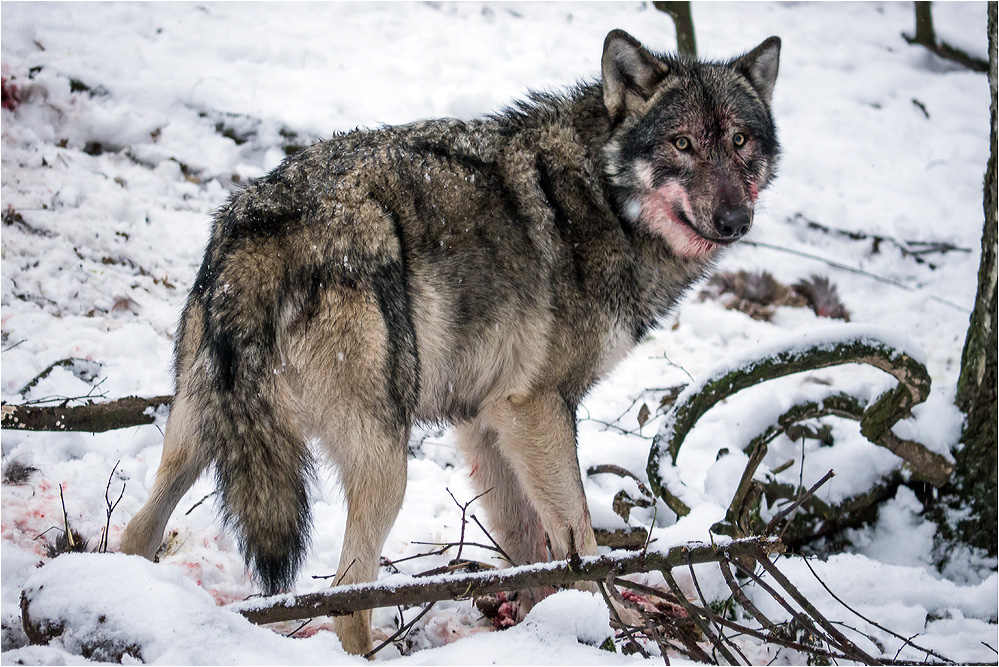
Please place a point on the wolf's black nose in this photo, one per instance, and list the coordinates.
(732, 223)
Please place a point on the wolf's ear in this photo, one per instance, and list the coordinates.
(629, 72)
(760, 66)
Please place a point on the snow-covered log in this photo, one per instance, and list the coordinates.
(821, 348)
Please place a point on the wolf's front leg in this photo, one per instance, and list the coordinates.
(513, 521)
(537, 439)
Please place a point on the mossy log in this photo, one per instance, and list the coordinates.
(850, 344)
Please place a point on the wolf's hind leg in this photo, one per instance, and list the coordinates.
(182, 462)
(374, 482)
(358, 377)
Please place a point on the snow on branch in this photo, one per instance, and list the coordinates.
(821, 348)
(408, 591)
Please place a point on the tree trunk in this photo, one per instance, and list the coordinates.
(924, 25)
(975, 475)
(684, 22)
(926, 36)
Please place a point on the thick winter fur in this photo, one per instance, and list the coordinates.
(483, 273)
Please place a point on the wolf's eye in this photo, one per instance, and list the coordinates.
(739, 139)
(682, 143)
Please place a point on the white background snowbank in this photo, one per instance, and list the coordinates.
(114, 237)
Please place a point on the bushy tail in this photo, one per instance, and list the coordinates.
(262, 462)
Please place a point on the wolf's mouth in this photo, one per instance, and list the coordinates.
(681, 217)
(684, 219)
(664, 212)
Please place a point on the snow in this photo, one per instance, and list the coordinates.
(170, 618)
(116, 183)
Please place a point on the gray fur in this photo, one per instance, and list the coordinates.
(483, 273)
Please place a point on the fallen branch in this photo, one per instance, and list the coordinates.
(349, 599)
(89, 417)
(907, 247)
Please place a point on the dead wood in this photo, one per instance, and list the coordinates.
(348, 599)
(91, 417)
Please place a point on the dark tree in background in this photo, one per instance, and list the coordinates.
(924, 26)
(680, 11)
(926, 36)
(975, 473)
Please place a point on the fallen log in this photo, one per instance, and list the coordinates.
(91, 417)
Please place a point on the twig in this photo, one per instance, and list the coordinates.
(650, 626)
(617, 617)
(495, 543)
(675, 365)
(648, 539)
(437, 552)
(840, 638)
(11, 347)
(302, 625)
(612, 425)
(652, 631)
(340, 578)
(774, 522)
(721, 636)
(743, 600)
(42, 534)
(648, 590)
(899, 651)
(445, 546)
(904, 246)
(620, 472)
(877, 625)
(690, 647)
(693, 614)
(400, 631)
(195, 505)
(780, 641)
(102, 546)
(70, 543)
(795, 614)
(464, 521)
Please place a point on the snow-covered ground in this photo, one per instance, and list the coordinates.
(136, 120)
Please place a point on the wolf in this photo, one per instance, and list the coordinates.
(482, 273)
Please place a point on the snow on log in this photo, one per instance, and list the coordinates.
(811, 350)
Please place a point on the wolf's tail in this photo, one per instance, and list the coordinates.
(247, 422)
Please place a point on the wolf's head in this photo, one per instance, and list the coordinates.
(692, 142)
